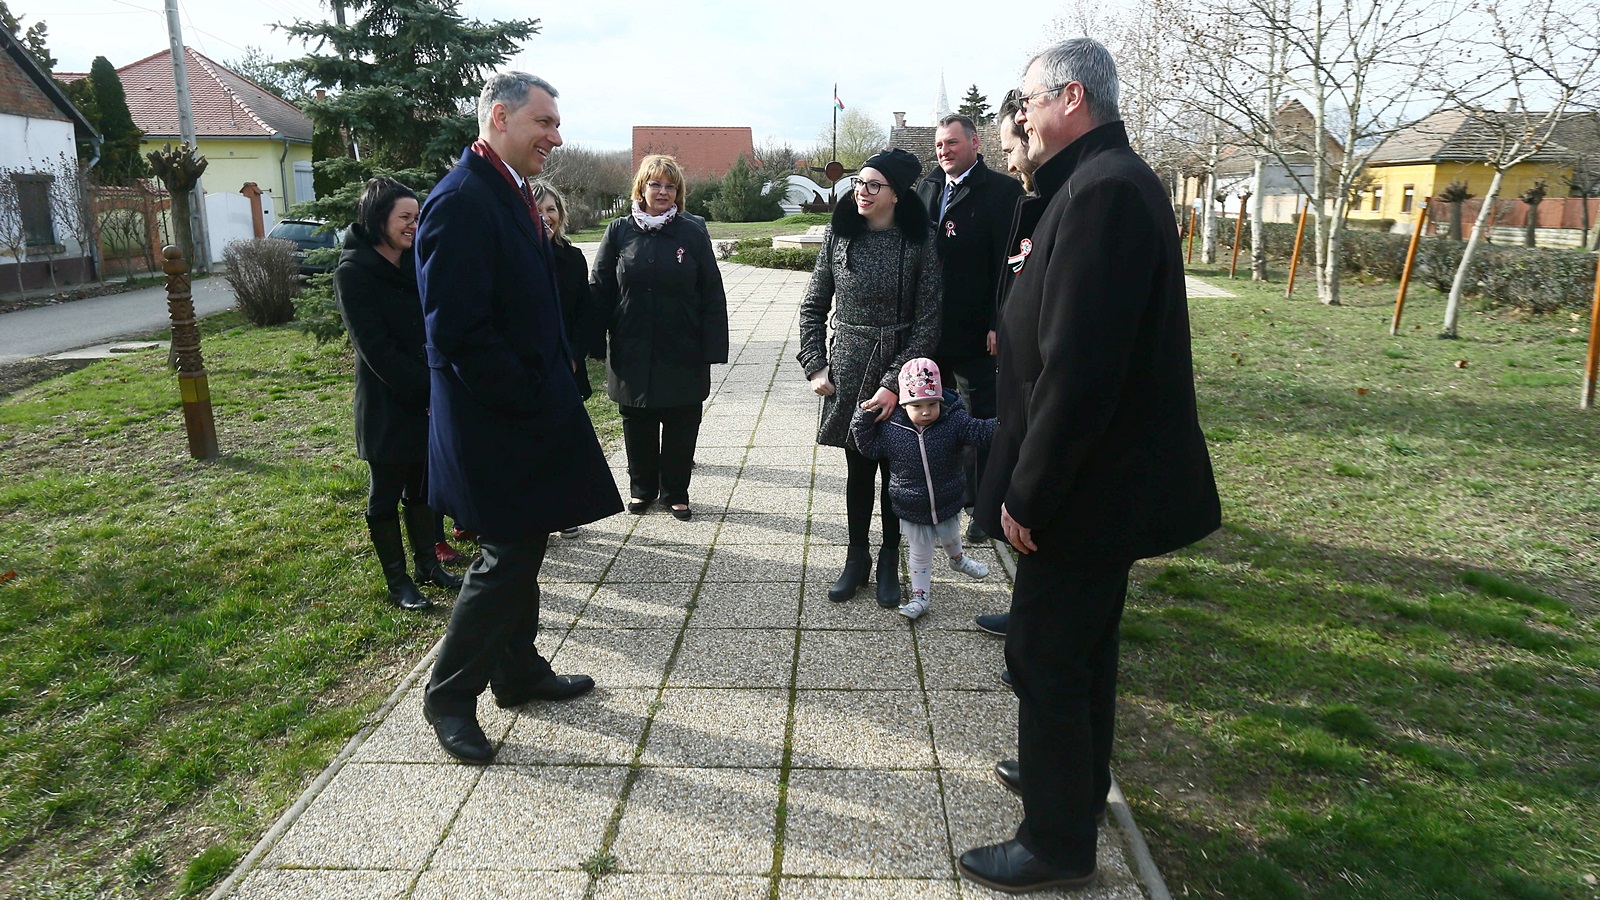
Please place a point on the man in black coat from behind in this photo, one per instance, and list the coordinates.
(1098, 459)
(971, 207)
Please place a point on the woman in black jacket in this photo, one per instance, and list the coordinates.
(659, 292)
(572, 282)
(877, 284)
(376, 286)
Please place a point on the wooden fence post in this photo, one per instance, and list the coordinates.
(1405, 273)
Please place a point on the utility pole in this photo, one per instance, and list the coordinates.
(180, 77)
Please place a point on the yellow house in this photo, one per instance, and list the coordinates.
(245, 132)
(1455, 145)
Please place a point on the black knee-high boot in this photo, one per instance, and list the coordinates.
(385, 531)
(889, 574)
(420, 529)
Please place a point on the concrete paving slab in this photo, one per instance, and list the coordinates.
(376, 816)
(718, 727)
(973, 729)
(866, 889)
(532, 817)
(699, 821)
(747, 605)
(858, 660)
(757, 563)
(865, 824)
(490, 885)
(959, 659)
(735, 658)
(404, 737)
(868, 729)
(639, 605)
(319, 884)
(617, 657)
(818, 614)
(662, 563)
(602, 727)
(682, 887)
(659, 525)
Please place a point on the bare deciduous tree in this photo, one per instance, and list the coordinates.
(1543, 56)
(72, 202)
(591, 181)
(13, 232)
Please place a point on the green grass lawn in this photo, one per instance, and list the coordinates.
(185, 645)
(1382, 677)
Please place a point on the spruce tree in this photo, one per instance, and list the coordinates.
(403, 78)
(32, 38)
(741, 199)
(975, 106)
(120, 159)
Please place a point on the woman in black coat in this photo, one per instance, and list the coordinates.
(572, 282)
(877, 283)
(376, 286)
(658, 289)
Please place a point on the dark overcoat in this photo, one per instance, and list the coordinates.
(660, 295)
(383, 317)
(971, 240)
(511, 451)
(577, 310)
(1098, 447)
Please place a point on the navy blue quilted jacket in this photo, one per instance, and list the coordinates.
(925, 480)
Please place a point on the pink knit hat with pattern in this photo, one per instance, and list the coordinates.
(919, 380)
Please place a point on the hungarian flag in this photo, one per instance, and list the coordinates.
(838, 104)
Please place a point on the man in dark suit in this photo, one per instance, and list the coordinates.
(971, 208)
(1098, 460)
(511, 452)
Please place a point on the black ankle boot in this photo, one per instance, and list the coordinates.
(889, 575)
(856, 563)
(420, 529)
(385, 532)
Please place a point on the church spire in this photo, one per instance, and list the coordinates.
(941, 107)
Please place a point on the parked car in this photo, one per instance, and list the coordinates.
(309, 235)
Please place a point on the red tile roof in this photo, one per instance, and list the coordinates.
(704, 153)
(226, 104)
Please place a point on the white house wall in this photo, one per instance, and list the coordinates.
(36, 145)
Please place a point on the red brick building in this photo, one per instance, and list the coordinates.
(705, 153)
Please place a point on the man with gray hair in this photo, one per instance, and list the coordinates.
(511, 453)
(1098, 459)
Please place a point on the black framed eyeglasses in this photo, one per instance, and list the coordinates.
(870, 188)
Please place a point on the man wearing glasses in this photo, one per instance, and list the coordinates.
(1098, 459)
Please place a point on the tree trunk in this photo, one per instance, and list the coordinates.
(1208, 222)
(1258, 227)
(1452, 307)
(182, 233)
(1455, 221)
(1532, 226)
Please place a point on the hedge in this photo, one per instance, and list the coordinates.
(1536, 279)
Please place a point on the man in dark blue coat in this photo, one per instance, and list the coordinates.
(511, 452)
(1098, 459)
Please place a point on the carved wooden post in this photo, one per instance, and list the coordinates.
(192, 383)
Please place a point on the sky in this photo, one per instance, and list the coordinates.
(769, 65)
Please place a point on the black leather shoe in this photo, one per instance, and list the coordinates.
(975, 533)
(994, 623)
(460, 737)
(637, 507)
(682, 515)
(431, 572)
(1010, 868)
(550, 687)
(1009, 773)
(1005, 678)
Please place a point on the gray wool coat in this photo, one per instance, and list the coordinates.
(876, 325)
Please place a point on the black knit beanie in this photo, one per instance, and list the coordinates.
(899, 167)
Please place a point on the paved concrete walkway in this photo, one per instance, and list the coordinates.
(748, 738)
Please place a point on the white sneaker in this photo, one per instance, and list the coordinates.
(966, 565)
(914, 607)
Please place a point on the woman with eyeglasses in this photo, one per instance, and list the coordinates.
(878, 277)
(659, 292)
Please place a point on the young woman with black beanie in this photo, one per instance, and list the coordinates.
(878, 276)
